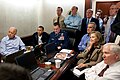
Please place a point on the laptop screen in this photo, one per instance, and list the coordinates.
(50, 48)
(27, 61)
(11, 58)
(37, 51)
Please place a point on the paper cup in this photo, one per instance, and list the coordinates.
(47, 64)
(57, 63)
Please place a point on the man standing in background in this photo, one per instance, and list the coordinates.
(98, 16)
(109, 35)
(88, 19)
(73, 20)
(59, 18)
(115, 27)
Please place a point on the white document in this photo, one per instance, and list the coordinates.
(66, 51)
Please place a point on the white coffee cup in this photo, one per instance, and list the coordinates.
(47, 64)
(57, 63)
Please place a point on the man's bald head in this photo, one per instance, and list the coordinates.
(12, 32)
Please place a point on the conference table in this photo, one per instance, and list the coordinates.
(64, 67)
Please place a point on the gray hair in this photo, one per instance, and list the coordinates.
(113, 47)
(93, 24)
(14, 28)
(90, 10)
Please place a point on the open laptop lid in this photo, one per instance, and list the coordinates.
(37, 51)
(50, 48)
(11, 58)
(27, 61)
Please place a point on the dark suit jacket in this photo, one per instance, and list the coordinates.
(84, 25)
(45, 38)
(115, 27)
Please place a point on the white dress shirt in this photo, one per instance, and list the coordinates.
(112, 73)
(39, 40)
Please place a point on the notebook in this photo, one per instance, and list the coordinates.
(11, 58)
(29, 62)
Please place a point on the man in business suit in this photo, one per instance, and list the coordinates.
(108, 34)
(115, 27)
(59, 37)
(88, 19)
(40, 37)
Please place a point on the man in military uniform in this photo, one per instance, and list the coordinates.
(59, 37)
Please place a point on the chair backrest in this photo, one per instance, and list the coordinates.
(74, 36)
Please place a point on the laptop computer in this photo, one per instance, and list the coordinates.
(11, 58)
(50, 49)
(37, 51)
(29, 62)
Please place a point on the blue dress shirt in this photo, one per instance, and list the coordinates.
(73, 21)
(83, 43)
(9, 46)
(109, 30)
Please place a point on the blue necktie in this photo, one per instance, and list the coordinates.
(87, 22)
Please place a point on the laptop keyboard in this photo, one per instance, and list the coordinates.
(38, 73)
(42, 74)
(46, 75)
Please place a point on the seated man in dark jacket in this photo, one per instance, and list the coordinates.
(59, 37)
(40, 37)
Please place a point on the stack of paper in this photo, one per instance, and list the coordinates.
(66, 51)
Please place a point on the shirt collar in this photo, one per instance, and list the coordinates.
(89, 19)
(115, 64)
(113, 16)
(12, 38)
(87, 34)
(74, 15)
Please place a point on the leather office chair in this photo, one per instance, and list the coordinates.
(74, 36)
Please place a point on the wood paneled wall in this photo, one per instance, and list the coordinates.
(88, 4)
